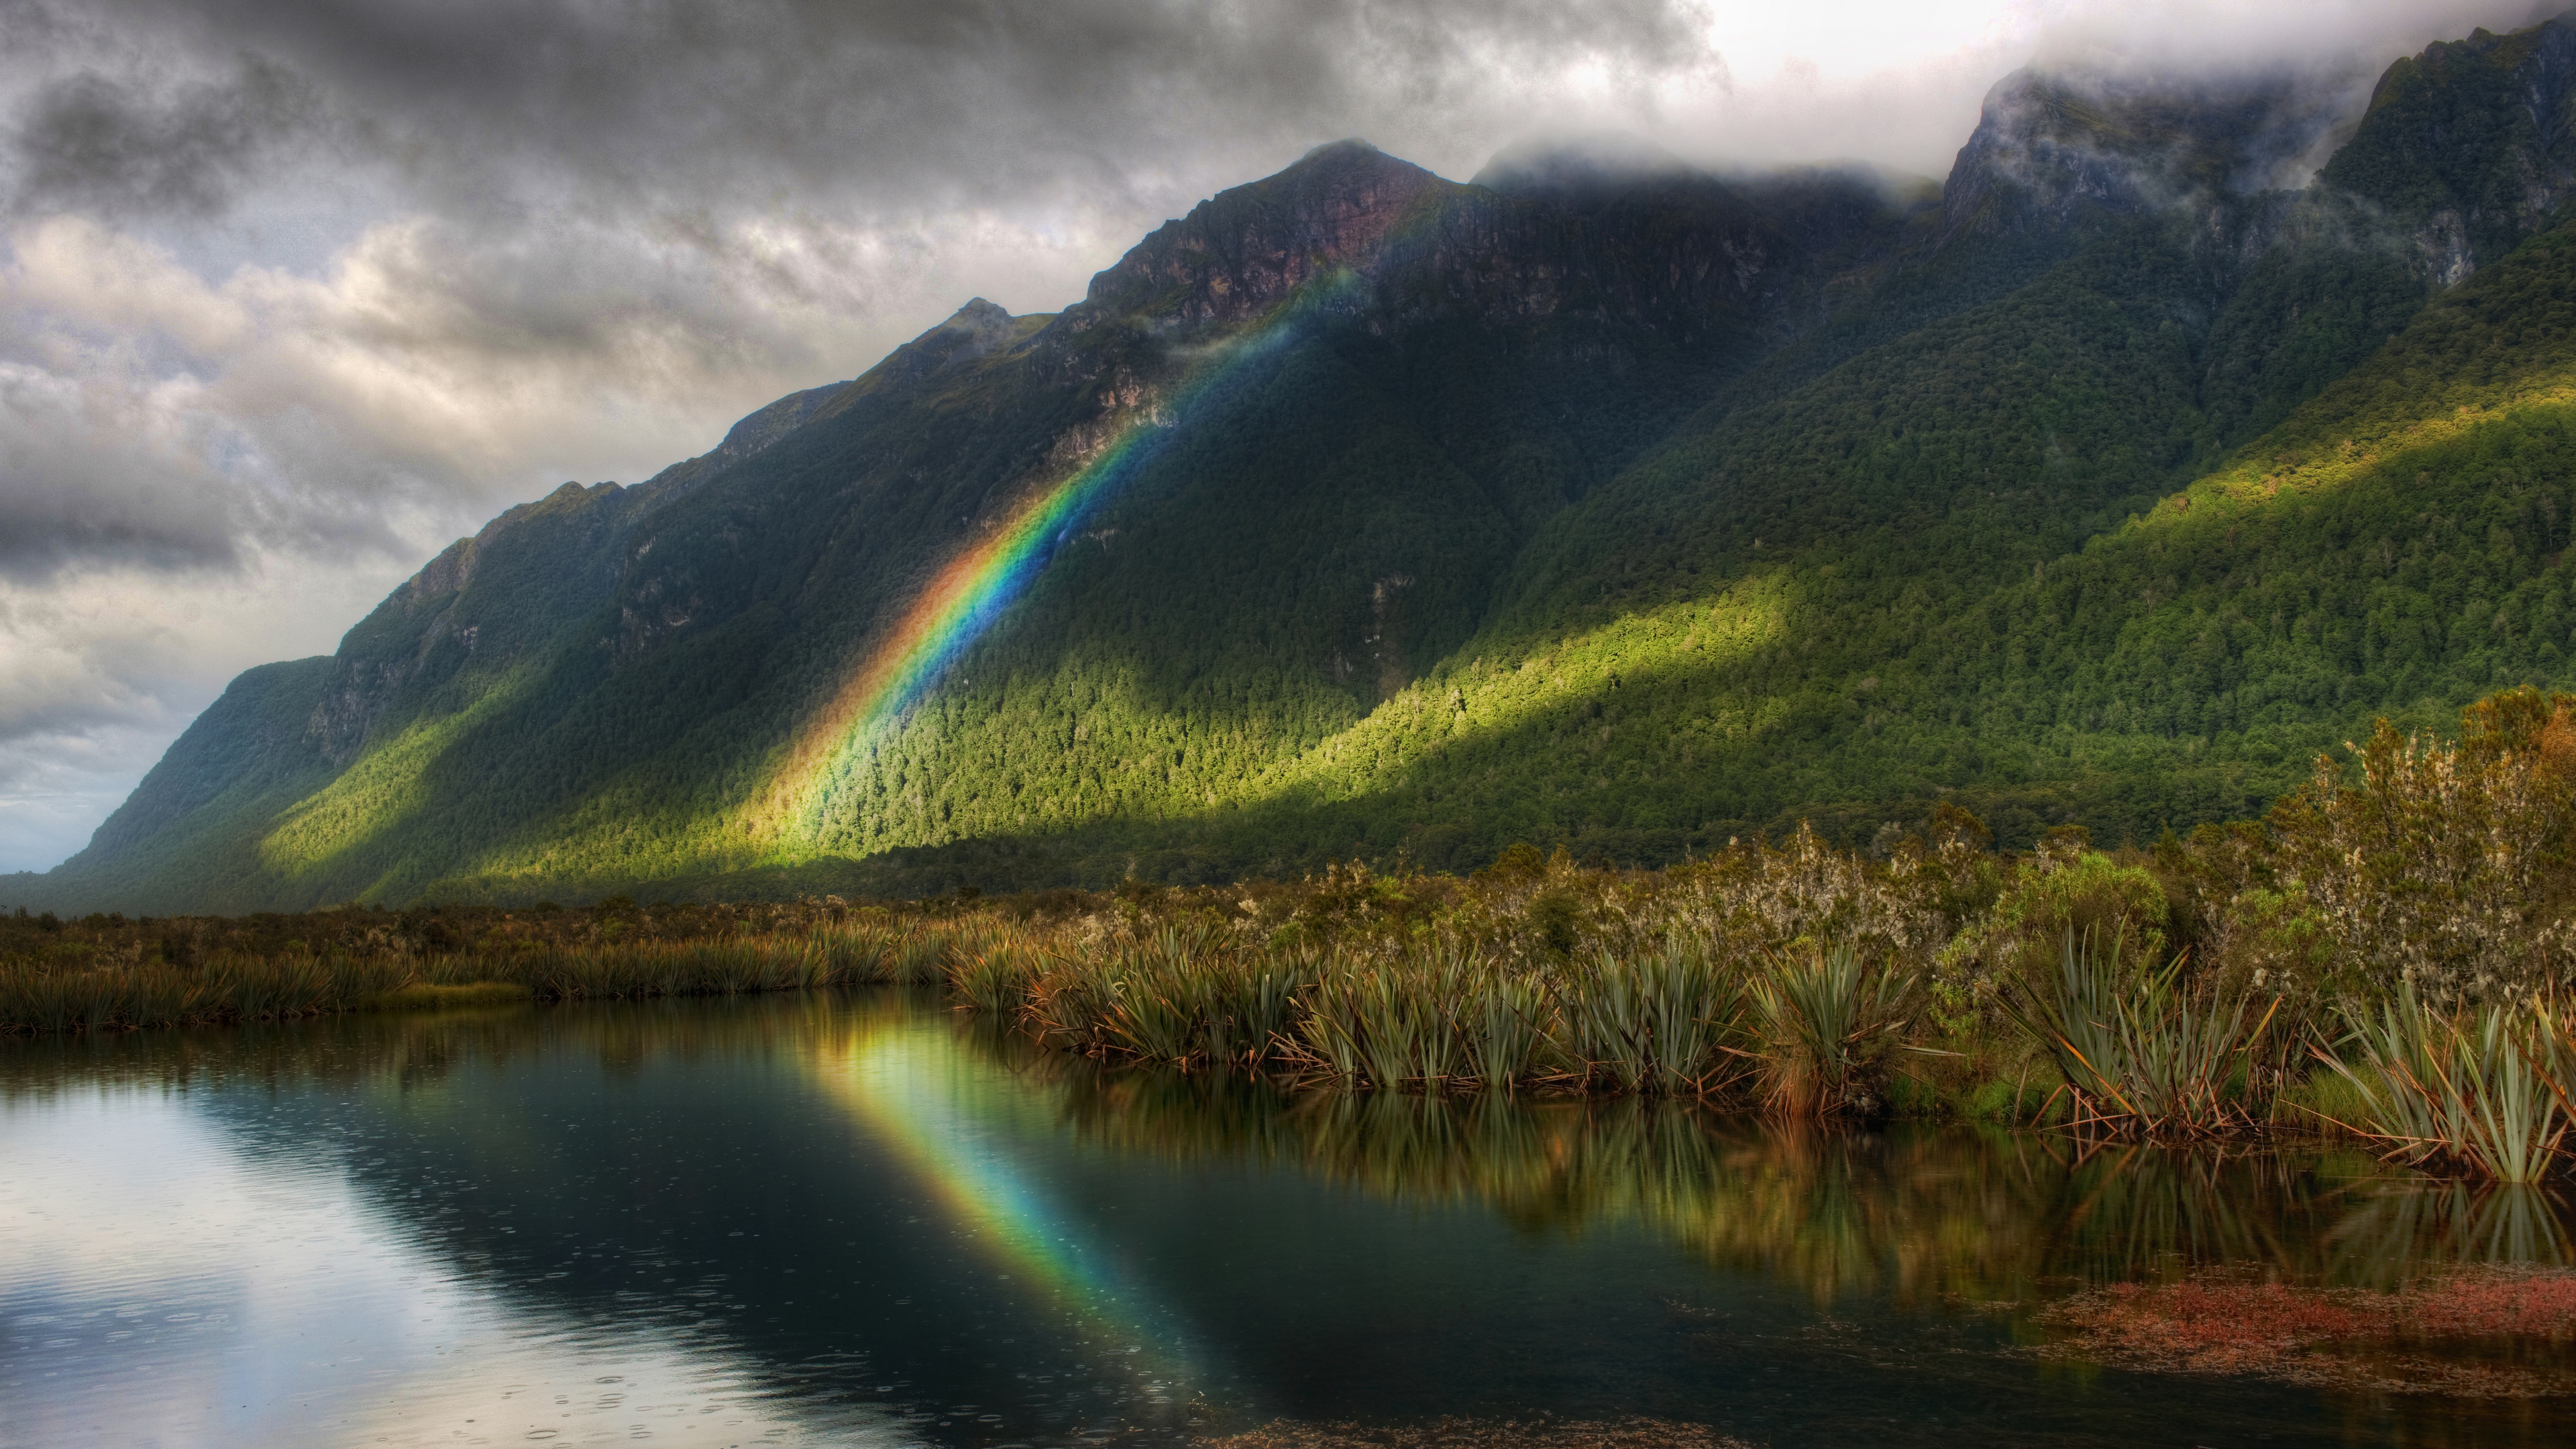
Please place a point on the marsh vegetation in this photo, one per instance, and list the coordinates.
(2382, 956)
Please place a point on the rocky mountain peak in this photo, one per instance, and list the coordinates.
(1242, 250)
(2470, 145)
(2054, 145)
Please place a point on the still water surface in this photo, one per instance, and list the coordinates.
(858, 1220)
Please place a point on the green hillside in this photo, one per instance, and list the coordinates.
(1629, 511)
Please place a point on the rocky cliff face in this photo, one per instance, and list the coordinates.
(539, 567)
(2471, 145)
(2061, 150)
(1241, 252)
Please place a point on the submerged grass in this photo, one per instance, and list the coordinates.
(2384, 1342)
(1458, 1433)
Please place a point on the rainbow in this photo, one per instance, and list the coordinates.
(948, 1118)
(973, 589)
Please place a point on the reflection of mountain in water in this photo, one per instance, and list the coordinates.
(873, 1201)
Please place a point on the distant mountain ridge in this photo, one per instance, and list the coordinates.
(1598, 501)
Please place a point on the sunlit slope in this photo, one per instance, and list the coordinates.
(1968, 597)
(189, 835)
(2076, 648)
(2394, 547)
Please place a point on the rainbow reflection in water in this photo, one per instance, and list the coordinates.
(949, 1118)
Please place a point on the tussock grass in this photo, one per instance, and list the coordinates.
(418, 995)
(224, 988)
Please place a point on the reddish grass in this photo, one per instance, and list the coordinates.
(2456, 1334)
(1480, 1434)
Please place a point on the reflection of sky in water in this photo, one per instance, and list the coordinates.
(161, 1284)
(845, 1221)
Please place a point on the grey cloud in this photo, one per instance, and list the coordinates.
(73, 487)
(487, 105)
(655, 206)
(85, 142)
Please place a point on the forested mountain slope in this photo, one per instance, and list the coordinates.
(1597, 501)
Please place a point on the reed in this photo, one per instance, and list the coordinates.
(2141, 1055)
(2481, 1090)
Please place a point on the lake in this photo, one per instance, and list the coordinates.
(862, 1219)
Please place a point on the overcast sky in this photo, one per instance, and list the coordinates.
(293, 292)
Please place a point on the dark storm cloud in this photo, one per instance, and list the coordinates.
(489, 106)
(85, 142)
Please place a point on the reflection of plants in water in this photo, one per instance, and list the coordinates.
(404, 1050)
(1981, 1216)
(2402, 1227)
(1915, 1212)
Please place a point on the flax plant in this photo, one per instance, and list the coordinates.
(1186, 995)
(1822, 1021)
(993, 973)
(1658, 1022)
(1389, 1024)
(2140, 1054)
(2482, 1090)
(1505, 1020)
